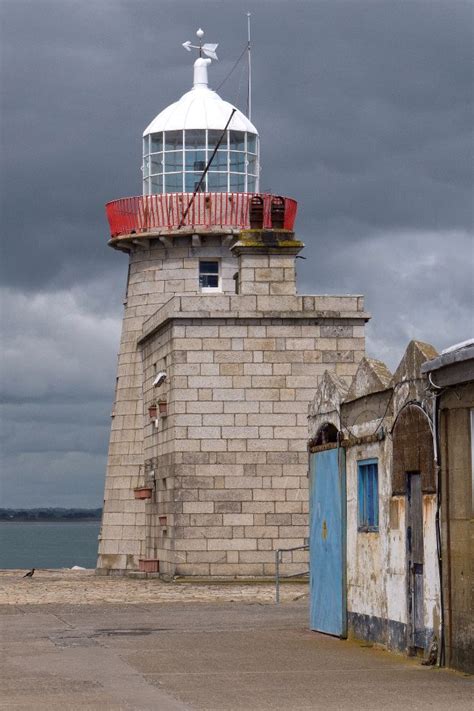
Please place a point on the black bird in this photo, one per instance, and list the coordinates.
(30, 574)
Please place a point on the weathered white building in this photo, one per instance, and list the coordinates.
(451, 381)
(373, 545)
(219, 355)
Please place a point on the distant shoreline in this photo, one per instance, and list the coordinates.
(49, 514)
(50, 520)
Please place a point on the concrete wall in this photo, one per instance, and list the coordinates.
(458, 525)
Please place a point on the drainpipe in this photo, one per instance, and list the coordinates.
(437, 462)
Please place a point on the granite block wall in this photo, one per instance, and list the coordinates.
(235, 436)
(227, 465)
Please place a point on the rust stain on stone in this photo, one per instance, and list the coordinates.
(325, 530)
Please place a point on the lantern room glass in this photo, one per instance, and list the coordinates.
(174, 161)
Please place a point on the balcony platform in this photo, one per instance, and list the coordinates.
(173, 214)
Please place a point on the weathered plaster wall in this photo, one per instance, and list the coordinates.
(431, 582)
(377, 570)
(376, 580)
(376, 561)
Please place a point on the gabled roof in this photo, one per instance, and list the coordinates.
(415, 355)
(372, 376)
(329, 394)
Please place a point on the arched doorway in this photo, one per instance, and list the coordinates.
(413, 475)
(327, 434)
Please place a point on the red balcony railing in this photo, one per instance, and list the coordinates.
(134, 215)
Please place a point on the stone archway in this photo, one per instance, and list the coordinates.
(412, 449)
(326, 434)
(414, 475)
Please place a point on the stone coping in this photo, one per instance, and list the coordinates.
(255, 307)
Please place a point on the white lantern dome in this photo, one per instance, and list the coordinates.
(180, 141)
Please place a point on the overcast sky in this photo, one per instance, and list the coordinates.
(365, 113)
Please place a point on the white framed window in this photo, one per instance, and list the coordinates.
(209, 275)
(368, 498)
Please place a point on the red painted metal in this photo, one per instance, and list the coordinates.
(153, 212)
(149, 565)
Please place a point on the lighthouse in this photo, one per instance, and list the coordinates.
(219, 356)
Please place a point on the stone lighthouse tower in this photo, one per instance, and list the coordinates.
(219, 357)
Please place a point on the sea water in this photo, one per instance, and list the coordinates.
(48, 544)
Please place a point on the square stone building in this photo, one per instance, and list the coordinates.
(219, 357)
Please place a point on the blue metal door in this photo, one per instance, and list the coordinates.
(328, 542)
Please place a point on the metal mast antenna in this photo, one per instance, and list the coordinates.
(249, 55)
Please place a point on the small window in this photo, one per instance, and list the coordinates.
(251, 143)
(252, 165)
(368, 487)
(251, 184)
(173, 140)
(219, 162)
(173, 161)
(237, 140)
(192, 181)
(174, 183)
(217, 181)
(209, 275)
(213, 138)
(195, 139)
(156, 184)
(237, 162)
(193, 157)
(156, 142)
(157, 164)
(237, 182)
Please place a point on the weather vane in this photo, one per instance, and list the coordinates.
(208, 49)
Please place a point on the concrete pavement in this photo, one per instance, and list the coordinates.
(217, 656)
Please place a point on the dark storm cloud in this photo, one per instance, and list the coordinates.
(364, 111)
(361, 106)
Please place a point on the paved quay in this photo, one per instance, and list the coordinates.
(79, 587)
(183, 646)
